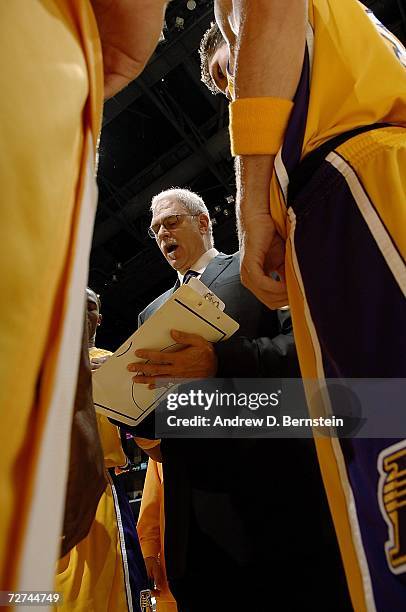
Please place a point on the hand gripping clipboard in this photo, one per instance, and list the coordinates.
(114, 392)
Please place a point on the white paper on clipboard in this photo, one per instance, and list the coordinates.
(114, 392)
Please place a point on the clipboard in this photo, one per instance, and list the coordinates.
(115, 394)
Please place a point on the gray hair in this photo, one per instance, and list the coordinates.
(193, 203)
(92, 293)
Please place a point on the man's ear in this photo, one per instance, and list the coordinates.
(203, 223)
(99, 320)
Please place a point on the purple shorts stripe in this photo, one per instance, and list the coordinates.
(136, 572)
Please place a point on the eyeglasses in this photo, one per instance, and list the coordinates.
(169, 223)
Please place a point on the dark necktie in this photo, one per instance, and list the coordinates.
(189, 274)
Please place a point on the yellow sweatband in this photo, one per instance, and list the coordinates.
(257, 125)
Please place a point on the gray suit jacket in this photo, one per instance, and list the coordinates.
(249, 502)
(203, 477)
(263, 346)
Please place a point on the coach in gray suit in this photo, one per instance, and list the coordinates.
(229, 547)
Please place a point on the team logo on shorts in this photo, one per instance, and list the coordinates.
(392, 502)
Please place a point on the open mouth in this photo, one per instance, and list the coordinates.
(171, 248)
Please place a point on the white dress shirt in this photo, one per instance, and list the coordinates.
(201, 264)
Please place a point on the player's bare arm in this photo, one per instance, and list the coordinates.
(129, 32)
(268, 38)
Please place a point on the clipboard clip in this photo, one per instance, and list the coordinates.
(210, 297)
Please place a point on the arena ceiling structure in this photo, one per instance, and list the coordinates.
(166, 129)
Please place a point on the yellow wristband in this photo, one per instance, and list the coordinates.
(257, 125)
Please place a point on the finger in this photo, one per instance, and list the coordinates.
(144, 380)
(155, 362)
(280, 270)
(151, 369)
(185, 338)
(275, 290)
(270, 285)
(161, 384)
(256, 277)
(269, 291)
(271, 300)
(271, 268)
(258, 271)
(155, 356)
(160, 380)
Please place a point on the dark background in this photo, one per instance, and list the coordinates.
(166, 129)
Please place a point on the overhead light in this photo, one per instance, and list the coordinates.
(179, 23)
(217, 209)
(191, 5)
(230, 199)
(226, 212)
